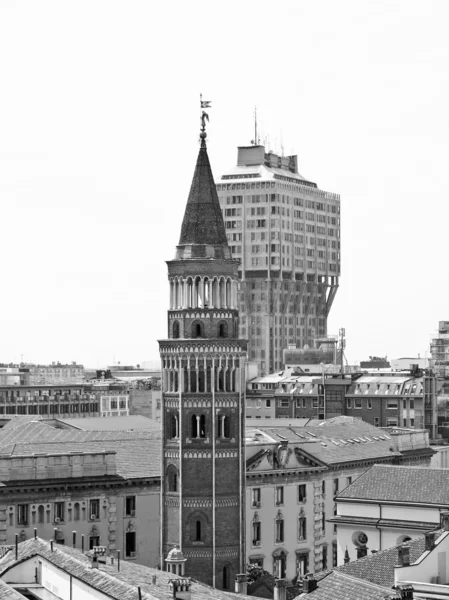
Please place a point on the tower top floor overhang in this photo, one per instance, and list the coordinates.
(203, 266)
(184, 348)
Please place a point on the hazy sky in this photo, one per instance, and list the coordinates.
(99, 121)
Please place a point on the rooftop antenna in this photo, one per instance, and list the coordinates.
(282, 145)
(256, 140)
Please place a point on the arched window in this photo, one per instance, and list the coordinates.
(197, 329)
(198, 537)
(41, 514)
(172, 479)
(222, 329)
(176, 330)
(194, 431)
(173, 425)
(202, 426)
(226, 577)
(76, 511)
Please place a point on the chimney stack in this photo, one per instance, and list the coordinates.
(280, 589)
(405, 591)
(240, 584)
(430, 540)
(309, 583)
(444, 516)
(180, 588)
(404, 555)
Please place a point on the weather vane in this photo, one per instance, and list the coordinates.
(204, 115)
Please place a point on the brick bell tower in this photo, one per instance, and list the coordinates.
(203, 399)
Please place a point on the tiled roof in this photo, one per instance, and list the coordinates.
(378, 568)
(131, 422)
(401, 484)
(137, 452)
(339, 442)
(203, 221)
(119, 585)
(339, 586)
(8, 593)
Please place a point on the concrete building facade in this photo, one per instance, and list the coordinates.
(285, 232)
(203, 395)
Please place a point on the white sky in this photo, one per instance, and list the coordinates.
(99, 137)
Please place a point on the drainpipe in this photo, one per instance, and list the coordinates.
(378, 528)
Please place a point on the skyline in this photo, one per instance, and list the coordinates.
(99, 127)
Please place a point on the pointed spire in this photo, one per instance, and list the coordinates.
(203, 232)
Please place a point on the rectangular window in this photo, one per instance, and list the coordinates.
(130, 506)
(334, 554)
(279, 531)
(257, 562)
(376, 421)
(22, 514)
(335, 487)
(323, 522)
(348, 480)
(255, 497)
(268, 403)
(279, 495)
(94, 509)
(284, 403)
(369, 403)
(392, 422)
(256, 533)
(94, 540)
(323, 486)
(59, 511)
(324, 558)
(302, 493)
(348, 402)
(392, 404)
(302, 529)
(302, 564)
(357, 403)
(130, 544)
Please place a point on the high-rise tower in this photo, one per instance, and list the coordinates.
(286, 233)
(203, 363)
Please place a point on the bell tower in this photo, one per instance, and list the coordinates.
(203, 398)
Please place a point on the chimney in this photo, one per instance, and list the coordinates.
(430, 540)
(280, 589)
(444, 516)
(405, 591)
(309, 583)
(180, 588)
(404, 555)
(240, 584)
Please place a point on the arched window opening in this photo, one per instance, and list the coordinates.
(197, 329)
(198, 531)
(226, 428)
(175, 330)
(172, 479)
(226, 578)
(202, 426)
(194, 430)
(192, 380)
(206, 292)
(41, 514)
(220, 380)
(201, 380)
(222, 329)
(76, 511)
(173, 426)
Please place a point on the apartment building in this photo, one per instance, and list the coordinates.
(286, 233)
(293, 473)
